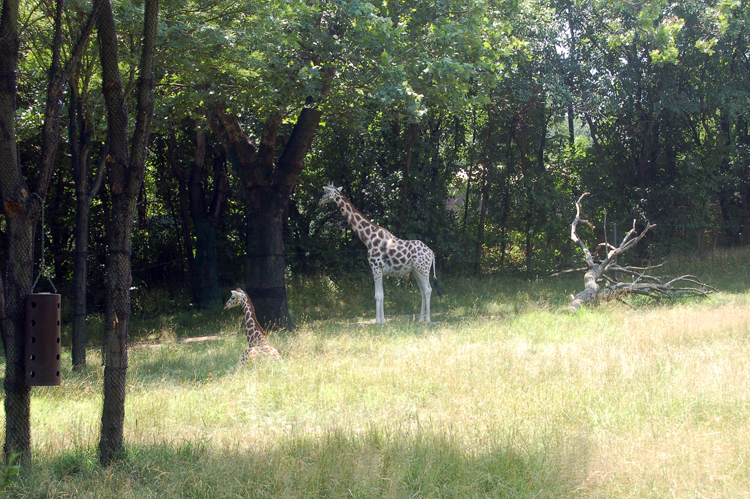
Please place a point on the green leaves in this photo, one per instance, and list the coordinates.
(8, 470)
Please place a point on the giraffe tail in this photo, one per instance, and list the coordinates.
(434, 277)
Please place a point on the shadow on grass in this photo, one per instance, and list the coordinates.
(376, 463)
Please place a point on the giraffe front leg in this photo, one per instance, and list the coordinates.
(253, 352)
(244, 356)
(379, 296)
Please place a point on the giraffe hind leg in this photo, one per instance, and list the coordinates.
(265, 348)
(269, 350)
(426, 291)
(379, 296)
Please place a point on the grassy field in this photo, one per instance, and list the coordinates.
(504, 397)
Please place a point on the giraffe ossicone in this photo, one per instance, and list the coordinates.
(256, 337)
(387, 254)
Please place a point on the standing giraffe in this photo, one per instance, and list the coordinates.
(388, 255)
(256, 337)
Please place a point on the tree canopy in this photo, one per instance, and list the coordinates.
(472, 125)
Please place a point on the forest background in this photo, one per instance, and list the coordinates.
(472, 126)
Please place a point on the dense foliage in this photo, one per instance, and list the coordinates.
(472, 125)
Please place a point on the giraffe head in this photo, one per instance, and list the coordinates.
(235, 299)
(330, 193)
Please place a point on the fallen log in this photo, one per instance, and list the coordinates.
(599, 272)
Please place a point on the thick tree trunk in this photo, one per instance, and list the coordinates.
(125, 179)
(21, 207)
(117, 311)
(19, 233)
(268, 185)
(207, 290)
(205, 221)
(590, 291)
(265, 265)
(17, 286)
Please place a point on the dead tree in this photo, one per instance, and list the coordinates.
(640, 282)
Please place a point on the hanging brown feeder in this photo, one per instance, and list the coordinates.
(43, 346)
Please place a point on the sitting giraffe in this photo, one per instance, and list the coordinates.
(388, 255)
(256, 337)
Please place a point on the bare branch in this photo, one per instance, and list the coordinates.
(641, 283)
(574, 235)
(658, 290)
(627, 242)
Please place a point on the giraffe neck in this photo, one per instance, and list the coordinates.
(365, 229)
(253, 331)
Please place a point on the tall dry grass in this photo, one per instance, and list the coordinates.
(504, 398)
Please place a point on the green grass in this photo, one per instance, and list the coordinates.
(505, 397)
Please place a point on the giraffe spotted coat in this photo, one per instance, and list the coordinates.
(387, 254)
(256, 337)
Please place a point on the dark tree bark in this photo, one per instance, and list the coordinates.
(205, 223)
(22, 205)
(17, 208)
(182, 193)
(80, 136)
(268, 185)
(204, 271)
(125, 179)
(521, 137)
(411, 135)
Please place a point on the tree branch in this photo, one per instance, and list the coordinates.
(641, 284)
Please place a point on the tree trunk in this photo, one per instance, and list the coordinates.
(79, 137)
(125, 179)
(118, 263)
(265, 264)
(207, 290)
(590, 291)
(182, 192)
(411, 135)
(205, 221)
(22, 206)
(18, 284)
(485, 195)
(20, 242)
(268, 186)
